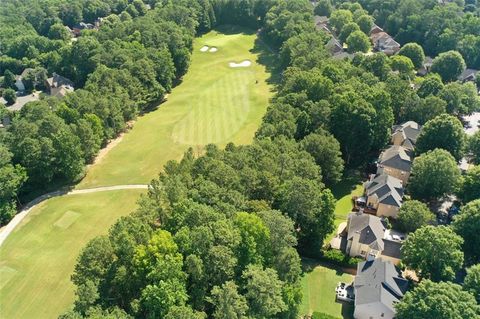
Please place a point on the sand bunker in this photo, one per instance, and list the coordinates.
(213, 49)
(242, 64)
(204, 48)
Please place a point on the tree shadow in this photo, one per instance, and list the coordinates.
(348, 183)
(268, 57)
(229, 29)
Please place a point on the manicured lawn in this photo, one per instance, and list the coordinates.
(214, 104)
(318, 287)
(37, 259)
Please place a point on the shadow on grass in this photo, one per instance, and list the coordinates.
(347, 184)
(268, 57)
(229, 29)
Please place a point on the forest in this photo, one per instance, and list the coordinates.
(220, 235)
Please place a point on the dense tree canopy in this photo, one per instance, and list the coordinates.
(434, 252)
(413, 215)
(449, 65)
(470, 187)
(442, 132)
(414, 52)
(434, 174)
(472, 281)
(443, 300)
(466, 224)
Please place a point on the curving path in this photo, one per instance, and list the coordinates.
(25, 210)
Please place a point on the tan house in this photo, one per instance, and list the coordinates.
(378, 286)
(383, 195)
(406, 134)
(383, 42)
(59, 86)
(367, 237)
(396, 161)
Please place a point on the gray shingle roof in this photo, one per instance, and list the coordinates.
(370, 227)
(379, 281)
(397, 157)
(388, 189)
(392, 249)
(410, 131)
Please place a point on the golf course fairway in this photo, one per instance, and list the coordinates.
(215, 103)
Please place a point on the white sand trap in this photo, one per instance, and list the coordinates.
(243, 64)
(204, 48)
(213, 49)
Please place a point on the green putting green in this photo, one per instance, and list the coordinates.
(214, 104)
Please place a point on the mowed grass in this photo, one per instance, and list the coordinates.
(38, 258)
(318, 288)
(214, 104)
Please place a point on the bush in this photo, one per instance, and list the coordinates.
(9, 96)
(336, 257)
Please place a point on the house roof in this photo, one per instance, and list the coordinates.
(392, 249)
(375, 29)
(57, 80)
(370, 228)
(468, 75)
(379, 281)
(334, 46)
(397, 157)
(383, 41)
(409, 132)
(388, 189)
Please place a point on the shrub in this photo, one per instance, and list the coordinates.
(336, 257)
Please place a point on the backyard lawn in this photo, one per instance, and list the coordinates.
(318, 287)
(214, 104)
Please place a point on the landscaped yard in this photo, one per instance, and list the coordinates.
(214, 103)
(318, 287)
(37, 259)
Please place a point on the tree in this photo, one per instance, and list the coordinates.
(449, 65)
(414, 52)
(323, 8)
(424, 110)
(444, 132)
(474, 147)
(59, 32)
(467, 224)
(263, 292)
(470, 187)
(184, 312)
(434, 252)
(462, 99)
(443, 300)
(9, 80)
(358, 41)
(413, 215)
(365, 22)
(432, 85)
(228, 302)
(434, 174)
(348, 29)
(325, 149)
(10, 96)
(339, 18)
(472, 281)
(403, 65)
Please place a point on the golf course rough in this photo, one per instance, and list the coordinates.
(213, 104)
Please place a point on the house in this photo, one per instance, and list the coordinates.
(321, 23)
(77, 29)
(59, 86)
(427, 64)
(19, 80)
(383, 195)
(367, 237)
(383, 42)
(396, 161)
(334, 46)
(378, 286)
(375, 29)
(469, 75)
(406, 134)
